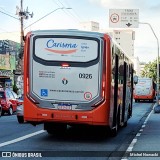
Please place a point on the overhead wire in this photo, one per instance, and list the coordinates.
(73, 15)
(75, 12)
(66, 11)
(9, 15)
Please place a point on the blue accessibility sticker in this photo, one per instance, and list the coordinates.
(44, 92)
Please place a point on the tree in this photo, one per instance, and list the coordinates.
(150, 70)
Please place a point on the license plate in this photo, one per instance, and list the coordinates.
(64, 107)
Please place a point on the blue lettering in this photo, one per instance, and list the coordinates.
(52, 44)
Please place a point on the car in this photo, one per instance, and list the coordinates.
(20, 115)
(9, 101)
(0, 111)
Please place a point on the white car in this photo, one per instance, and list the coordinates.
(20, 116)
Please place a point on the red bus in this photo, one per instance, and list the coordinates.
(75, 77)
(144, 90)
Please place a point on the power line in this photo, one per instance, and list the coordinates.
(68, 12)
(75, 15)
(9, 15)
(6, 11)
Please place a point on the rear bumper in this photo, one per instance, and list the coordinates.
(97, 116)
(144, 97)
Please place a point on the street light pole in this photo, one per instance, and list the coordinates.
(157, 59)
(46, 16)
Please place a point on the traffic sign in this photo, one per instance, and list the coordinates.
(124, 18)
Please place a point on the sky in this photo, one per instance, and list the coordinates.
(145, 44)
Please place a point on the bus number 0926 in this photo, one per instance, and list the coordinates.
(85, 76)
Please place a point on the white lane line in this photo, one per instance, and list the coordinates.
(138, 134)
(21, 138)
(130, 148)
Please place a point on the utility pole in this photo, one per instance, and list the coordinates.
(157, 98)
(23, 14)
(22, 33)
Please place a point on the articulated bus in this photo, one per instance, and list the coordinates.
(74, 77)
(144, 90)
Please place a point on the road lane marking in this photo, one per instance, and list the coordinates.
(130, 148)
(21, 138)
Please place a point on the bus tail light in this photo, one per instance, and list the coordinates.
(103, 88)
(102, 93)
(65, 65)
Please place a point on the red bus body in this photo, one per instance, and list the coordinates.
(144, 90)
(108, 103)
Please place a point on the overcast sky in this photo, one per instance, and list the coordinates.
(146, 47)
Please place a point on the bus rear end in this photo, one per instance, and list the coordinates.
(144, 90)
(65, 80)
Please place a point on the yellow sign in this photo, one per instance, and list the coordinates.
(5, 62)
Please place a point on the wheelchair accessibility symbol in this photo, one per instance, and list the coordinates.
(44, 92)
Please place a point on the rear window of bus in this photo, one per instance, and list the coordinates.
(66, 49)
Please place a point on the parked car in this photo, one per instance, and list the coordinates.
(0, 110)
(20, 115)
(9, 101)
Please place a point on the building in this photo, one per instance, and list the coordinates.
(137, 66)
(89, 26)
(8, 54)
(9, 47)
(142, 65)
(125, 38)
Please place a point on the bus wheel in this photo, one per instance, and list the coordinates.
(55, 128)
(20, 119)
(114, 130)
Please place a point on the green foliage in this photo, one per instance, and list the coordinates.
(150, 70)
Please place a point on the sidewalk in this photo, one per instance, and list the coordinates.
(146, 144)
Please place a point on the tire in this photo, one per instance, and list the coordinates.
(20, 119)
(125, 124)
(10, 111)
(128, 116)
(114, 131)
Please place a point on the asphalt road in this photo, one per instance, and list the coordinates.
(76, 143)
